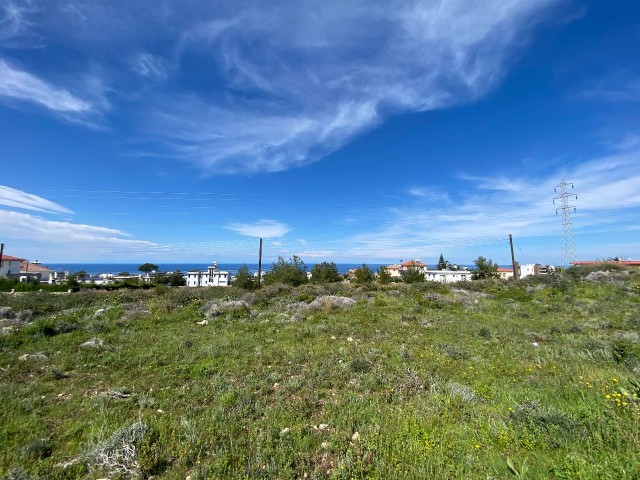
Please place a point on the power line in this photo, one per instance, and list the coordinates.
(569, 254)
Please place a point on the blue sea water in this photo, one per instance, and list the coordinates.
(132, 268)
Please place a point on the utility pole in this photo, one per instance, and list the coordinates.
(569, 254)
(260, 265)
(513, 259)
(1, 253)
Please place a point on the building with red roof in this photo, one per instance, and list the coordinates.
(10, 266)
(505, 273)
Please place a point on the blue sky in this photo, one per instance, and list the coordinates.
(351, 131)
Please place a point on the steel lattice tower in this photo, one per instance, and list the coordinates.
(569, 253)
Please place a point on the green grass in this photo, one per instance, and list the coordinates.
(534, 379)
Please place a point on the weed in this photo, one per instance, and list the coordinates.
(118, 455)
(38, 449)
(485, 333)
(360, 365)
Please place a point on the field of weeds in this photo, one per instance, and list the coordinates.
(533, 379)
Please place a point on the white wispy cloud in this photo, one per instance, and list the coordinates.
(260, 229)
(150, 66)
(279, 84)
(315, 77)
(15, 25)
(24, 226)
(316, 254)
(608, 201)
(63, 239)
(616, 87)
(16, 84)
(429, 193)
(11, 197)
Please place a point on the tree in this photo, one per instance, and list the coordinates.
(292, 272)
(442, 263)
(384, 276)
(325, 272)
(485, 269)
(80, 275)
(244, 278)
(363, 274)
(176, 279)
(413, 275)
(148, 268)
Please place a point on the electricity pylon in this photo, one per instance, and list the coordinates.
(569, 254)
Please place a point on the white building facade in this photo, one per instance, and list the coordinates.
(448, 276)
(10, 266)
(212, 277)
(42, 274)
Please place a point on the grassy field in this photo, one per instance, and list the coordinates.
(534, 379)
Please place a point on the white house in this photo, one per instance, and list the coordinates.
(42, 274)
(505, 273)
(530, 269)
(10, 266)
(396, 270)
(213, 277)
(447, 276)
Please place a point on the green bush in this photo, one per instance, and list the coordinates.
(363, 275)
(291, 273)
(413, 275)
(325, 272)
(244, 279)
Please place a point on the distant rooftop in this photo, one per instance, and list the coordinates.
(630, 263)
(10, 258)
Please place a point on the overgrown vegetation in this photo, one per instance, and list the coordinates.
(536, 379)
(292, 272)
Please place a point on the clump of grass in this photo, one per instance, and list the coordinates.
(360, 365)
(408, 384)
(118, 454)
(462, 392)
(58, 374)
(39, 448)
(455, 351)
(18, 473)
(236, 307)
(485, 333)
(549, 423)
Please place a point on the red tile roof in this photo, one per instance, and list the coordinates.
(505, 270)
(11, 259)
(28, 267)
(414, 263)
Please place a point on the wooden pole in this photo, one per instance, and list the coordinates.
(513, 259)
(260, 265)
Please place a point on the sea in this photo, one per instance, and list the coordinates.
(132, 268)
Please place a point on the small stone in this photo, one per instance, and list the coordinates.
(93, 343)
(285, 430)
(355, 436)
